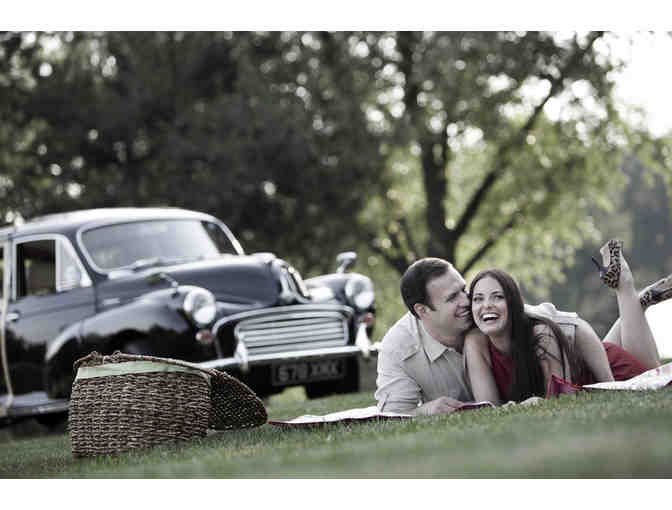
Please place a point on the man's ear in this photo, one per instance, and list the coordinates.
(420, 309)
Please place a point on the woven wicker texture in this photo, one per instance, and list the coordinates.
(115, 413)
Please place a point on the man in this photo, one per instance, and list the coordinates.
(421, 355)
(421, 368)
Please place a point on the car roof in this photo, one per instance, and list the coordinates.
(70, 222)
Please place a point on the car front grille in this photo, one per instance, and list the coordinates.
(292, 331)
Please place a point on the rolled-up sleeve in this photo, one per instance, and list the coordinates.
(396, 391)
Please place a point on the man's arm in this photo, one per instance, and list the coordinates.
(399, 393)
(396, 392)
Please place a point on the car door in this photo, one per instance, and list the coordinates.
(50, 290)
(5, 382)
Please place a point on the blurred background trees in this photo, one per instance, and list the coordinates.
(486, 148)
(229, 124)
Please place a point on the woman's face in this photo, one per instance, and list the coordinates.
(489, 307)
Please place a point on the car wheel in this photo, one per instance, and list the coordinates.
(349, 384)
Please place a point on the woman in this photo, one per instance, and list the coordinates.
(517, 354)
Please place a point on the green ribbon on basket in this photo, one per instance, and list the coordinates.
(132, 367)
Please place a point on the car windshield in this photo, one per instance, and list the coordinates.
(141, 244)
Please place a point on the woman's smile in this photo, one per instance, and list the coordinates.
(490, 322)
(489, 307)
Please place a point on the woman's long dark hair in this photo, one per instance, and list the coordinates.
(528, 378)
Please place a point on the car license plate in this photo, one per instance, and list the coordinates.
(307, 371)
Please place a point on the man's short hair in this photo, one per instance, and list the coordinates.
(417, 276)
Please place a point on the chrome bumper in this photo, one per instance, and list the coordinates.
(242, 360)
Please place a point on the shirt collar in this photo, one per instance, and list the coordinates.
(433, 348)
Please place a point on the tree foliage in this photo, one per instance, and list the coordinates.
(491, 162)
(249, 127)
(485, 148)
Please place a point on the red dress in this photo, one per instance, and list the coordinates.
(623, 365)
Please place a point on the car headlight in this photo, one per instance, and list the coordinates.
(359, 291)
(200, 307)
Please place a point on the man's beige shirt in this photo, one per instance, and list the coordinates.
(414, 367)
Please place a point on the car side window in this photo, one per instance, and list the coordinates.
(45, 267)
(36, 268)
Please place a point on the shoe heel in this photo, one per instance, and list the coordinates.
(600, 267)
(656, 293)
(611, 273)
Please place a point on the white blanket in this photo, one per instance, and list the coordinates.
(653, 379)
(360, 414)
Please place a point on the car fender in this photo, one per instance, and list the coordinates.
(139, 319)
(155, 321)
(334, 281)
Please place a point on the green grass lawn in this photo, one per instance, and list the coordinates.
(597, 434)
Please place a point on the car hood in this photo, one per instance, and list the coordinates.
(250, 280)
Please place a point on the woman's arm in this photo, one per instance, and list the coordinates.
(591, 350)
(551, 359)
(479, 368)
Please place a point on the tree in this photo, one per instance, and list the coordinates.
(496, 170)
(426, 143)
(249, 127)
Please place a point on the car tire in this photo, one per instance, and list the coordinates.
(349, 384)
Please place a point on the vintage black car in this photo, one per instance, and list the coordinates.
(171, 283)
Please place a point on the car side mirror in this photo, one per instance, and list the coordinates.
(345, 260)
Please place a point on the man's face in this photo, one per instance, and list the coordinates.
(447, 312)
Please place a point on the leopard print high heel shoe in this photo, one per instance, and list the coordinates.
(611, 273)
(657, 292)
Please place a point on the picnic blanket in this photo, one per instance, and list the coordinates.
(651, 380)
(359, 415)
(350, 415)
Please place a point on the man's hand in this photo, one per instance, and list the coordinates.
(438, 406)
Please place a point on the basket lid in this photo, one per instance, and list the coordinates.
(233, 404)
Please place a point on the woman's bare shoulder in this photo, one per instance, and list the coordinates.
(476, 340)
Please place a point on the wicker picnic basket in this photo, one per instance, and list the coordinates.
(121, 402)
